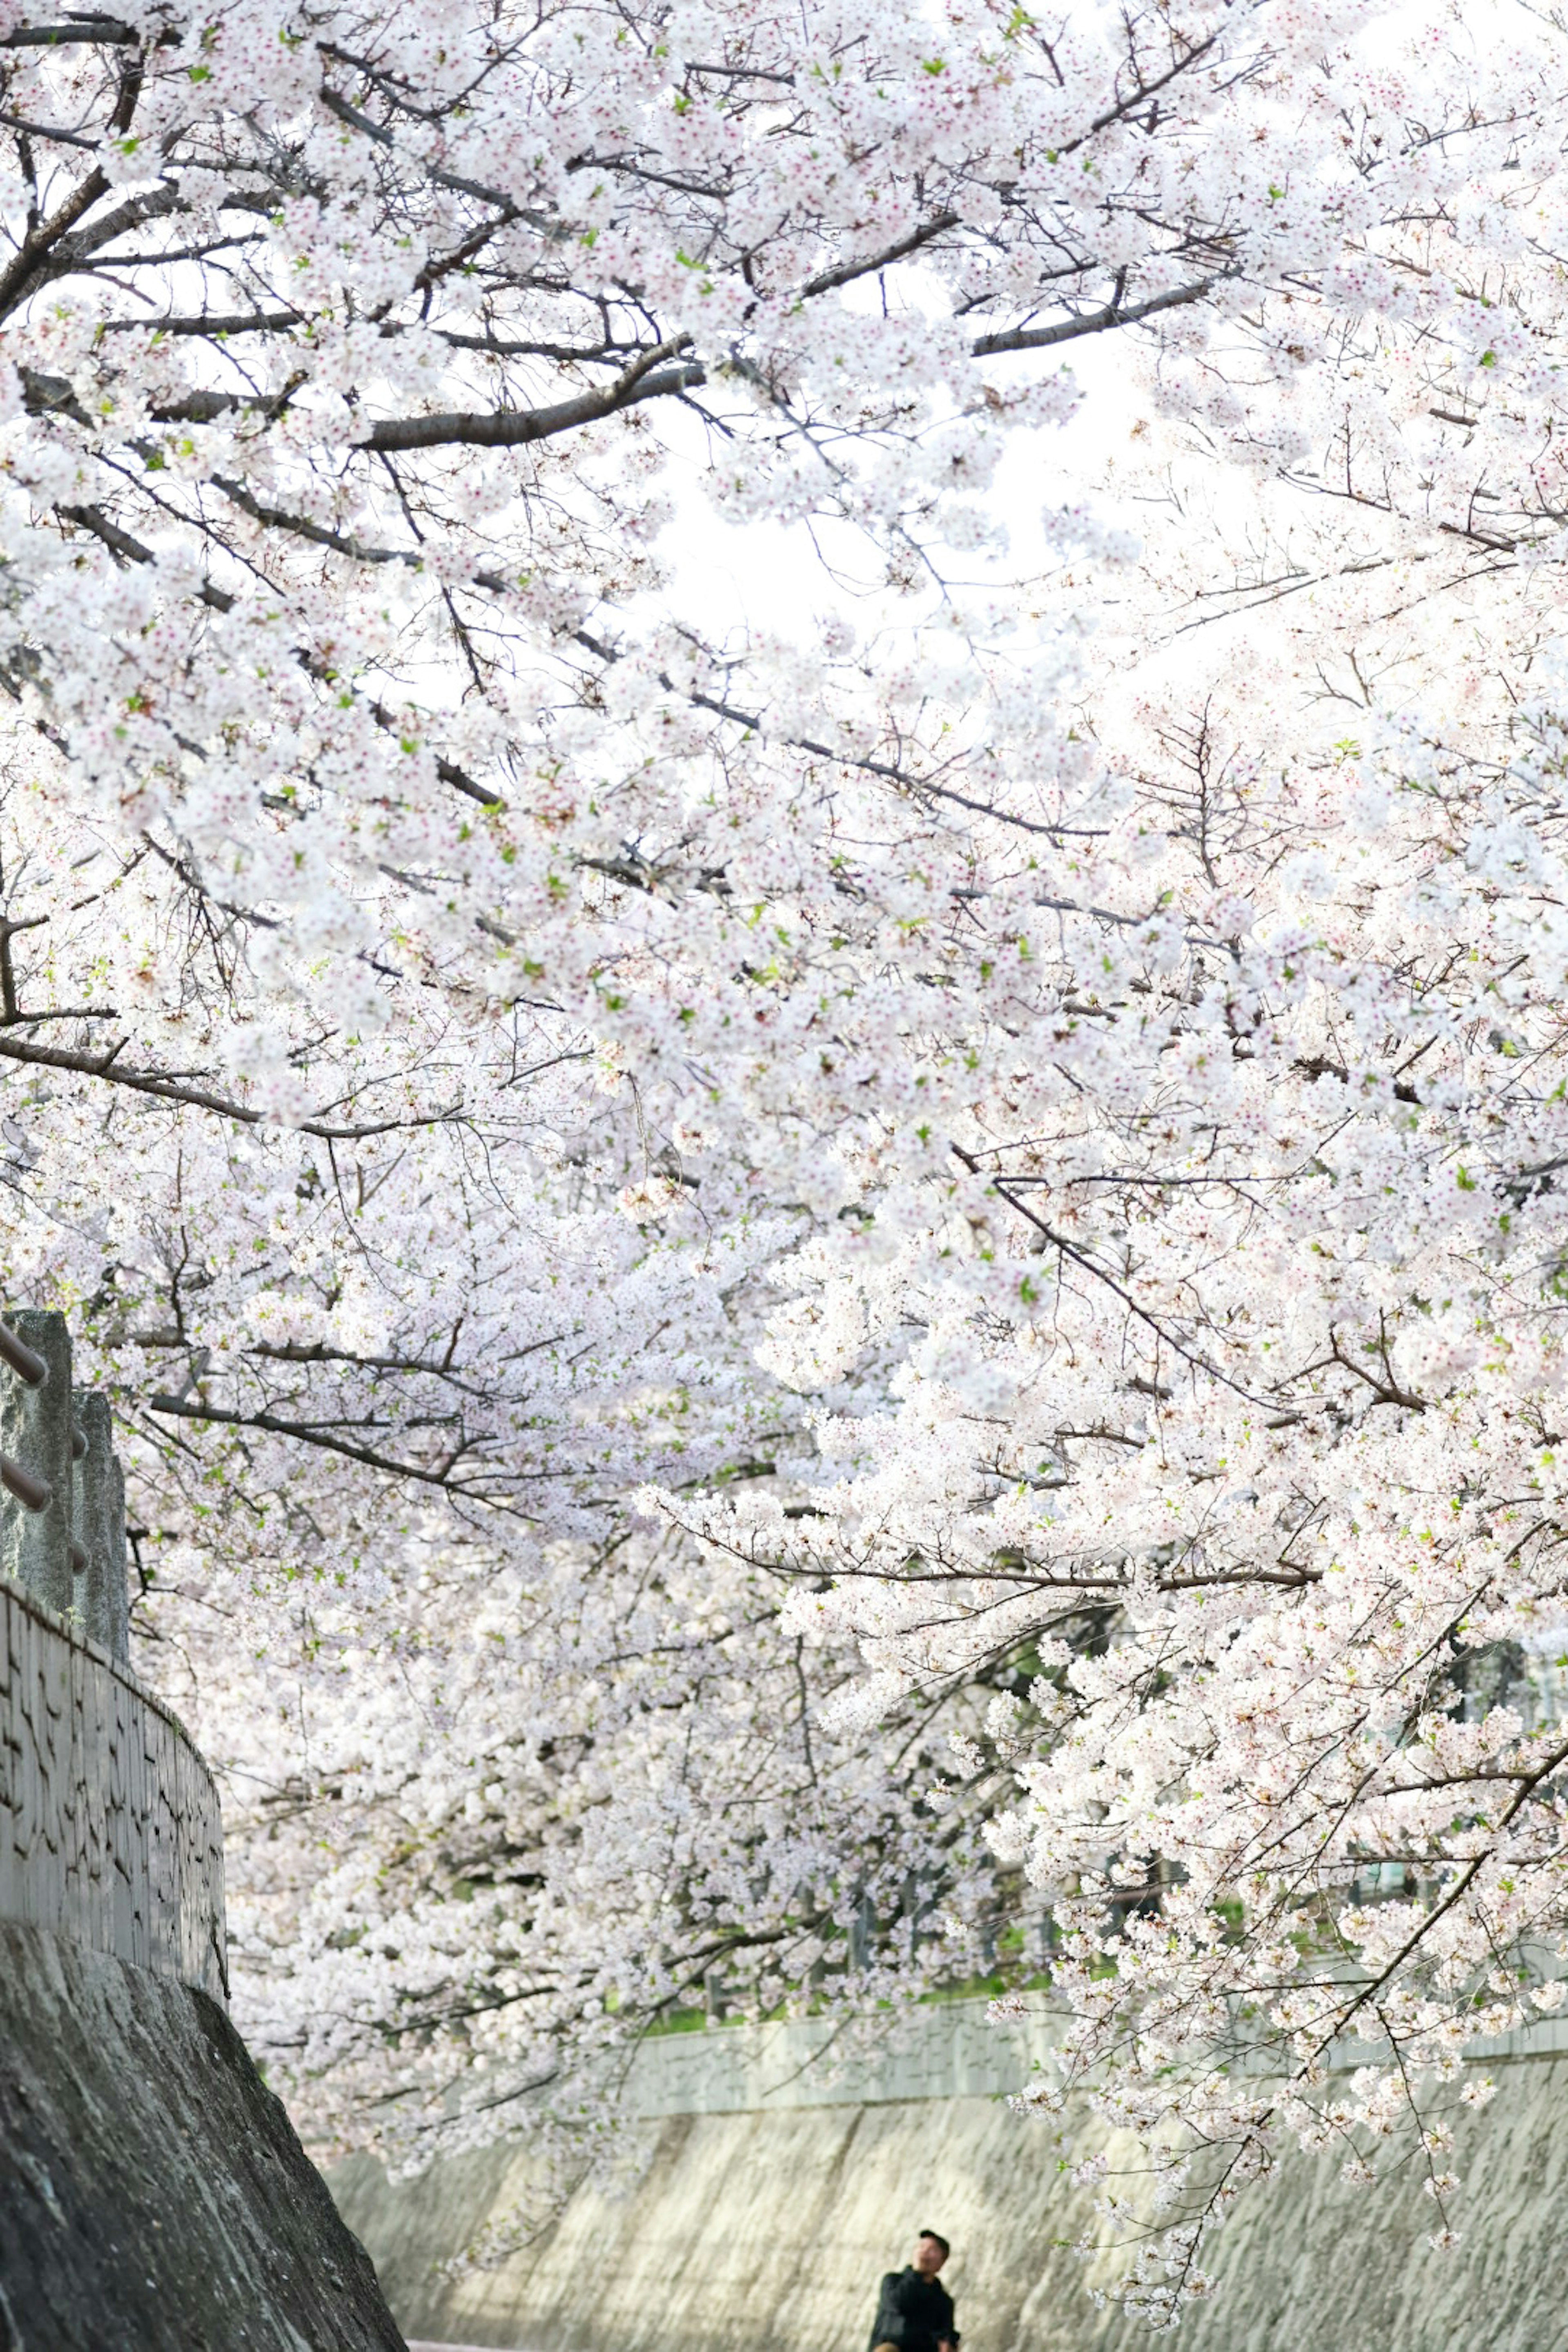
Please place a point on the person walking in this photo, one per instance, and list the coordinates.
(914, 2310)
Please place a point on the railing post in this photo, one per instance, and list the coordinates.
(97, 1522)
(35, 1432)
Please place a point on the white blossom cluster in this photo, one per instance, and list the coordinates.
(735, 1257)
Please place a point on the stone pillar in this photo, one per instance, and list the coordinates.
(863, 1933)
(98, 1523)
(35, 1432)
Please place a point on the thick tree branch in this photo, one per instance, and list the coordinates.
(308, 1435)
(163, 1087)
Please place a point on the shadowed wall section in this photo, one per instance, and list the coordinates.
(154, 2196)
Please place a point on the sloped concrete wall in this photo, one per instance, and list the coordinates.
(763, 2227)
(154, 2196)
(109, 1829)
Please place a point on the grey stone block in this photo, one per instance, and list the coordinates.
(36, 1431)
(97, 1522)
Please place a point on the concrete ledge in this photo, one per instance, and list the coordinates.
(935, 2051)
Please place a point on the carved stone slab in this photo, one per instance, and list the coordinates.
(109, 1829)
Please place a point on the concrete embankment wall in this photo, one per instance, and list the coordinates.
(154, 2196)
(109, 1829)
(773, 2200)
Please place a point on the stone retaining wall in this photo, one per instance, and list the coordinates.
(109, 1830)
(152, 2195)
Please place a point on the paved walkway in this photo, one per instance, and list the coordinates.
(417, 2344)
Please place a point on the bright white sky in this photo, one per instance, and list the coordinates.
(770, 577)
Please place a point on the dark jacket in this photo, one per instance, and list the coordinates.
(913, 2312)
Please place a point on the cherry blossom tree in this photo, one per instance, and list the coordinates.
(732, 1256)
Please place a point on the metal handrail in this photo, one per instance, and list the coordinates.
(36, 1493)
(15, 1352)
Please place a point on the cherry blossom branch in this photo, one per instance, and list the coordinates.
(307, 1434)
(173, 1087)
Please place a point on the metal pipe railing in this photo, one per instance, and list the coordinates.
(24, 1362)
(29, 1490)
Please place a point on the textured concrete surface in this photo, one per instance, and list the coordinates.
(109, 1830)
(154, 2196)
(947, 2050)
(765, 2229)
